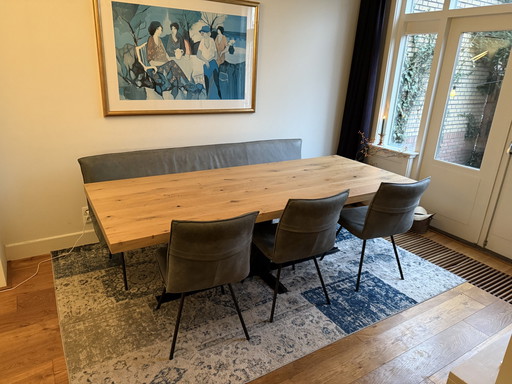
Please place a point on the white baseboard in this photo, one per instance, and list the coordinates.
(44, 246)
(3, 267)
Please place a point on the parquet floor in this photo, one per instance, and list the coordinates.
(417, 346)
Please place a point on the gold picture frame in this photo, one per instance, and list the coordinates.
(177, 56)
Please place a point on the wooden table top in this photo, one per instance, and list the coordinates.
(134, 213)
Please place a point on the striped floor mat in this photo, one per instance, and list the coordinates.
(480, 275)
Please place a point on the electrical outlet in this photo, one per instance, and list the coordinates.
(86, 218)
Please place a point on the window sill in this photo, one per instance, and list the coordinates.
(391, 159)
(392, 151)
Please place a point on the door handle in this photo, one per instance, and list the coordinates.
(509, 150)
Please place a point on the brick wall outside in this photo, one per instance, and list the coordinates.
(453, 146)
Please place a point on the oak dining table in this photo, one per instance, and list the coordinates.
(135, 213)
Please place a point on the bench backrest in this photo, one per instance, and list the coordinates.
(125, 165)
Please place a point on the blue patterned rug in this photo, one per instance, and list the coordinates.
(115, 336)
(360, 309)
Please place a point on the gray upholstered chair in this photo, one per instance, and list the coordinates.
(203, 255)
(306, 230)
(390, 212)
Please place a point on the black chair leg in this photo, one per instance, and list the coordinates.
(338, 231)
(397, 259)
(360, 266)
(222, 290)
(239, 312)
(322, 281)
(161, 299)
(177, 326)
(123, 264)
(275, 294)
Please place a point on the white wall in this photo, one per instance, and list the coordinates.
(51, 106)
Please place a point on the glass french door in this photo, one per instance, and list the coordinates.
(469, 124)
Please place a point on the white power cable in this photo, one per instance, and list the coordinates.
(44, 261)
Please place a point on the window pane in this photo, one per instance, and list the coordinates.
(475, 89)
(417, 6)
(476, 3)
(410, 97)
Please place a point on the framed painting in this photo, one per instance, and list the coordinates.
(177, 56)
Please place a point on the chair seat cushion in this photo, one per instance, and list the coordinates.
(353, 219)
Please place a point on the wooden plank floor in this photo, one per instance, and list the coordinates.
(419, 345)
(30, 342)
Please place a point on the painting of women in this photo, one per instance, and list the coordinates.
(168, 76)
(207, 52)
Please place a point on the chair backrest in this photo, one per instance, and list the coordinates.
(307, 227)
(206, 254)
(392, 209)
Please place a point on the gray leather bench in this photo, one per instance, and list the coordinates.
(125, 165)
